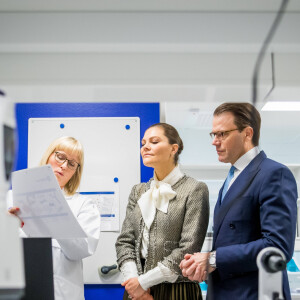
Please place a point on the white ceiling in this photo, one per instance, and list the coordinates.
(184, 32)
(146, 5)
(139, 50)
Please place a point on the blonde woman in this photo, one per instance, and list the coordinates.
(165, 217)
(66, 157)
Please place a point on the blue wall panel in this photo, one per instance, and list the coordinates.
(103, 292)
(148, 114)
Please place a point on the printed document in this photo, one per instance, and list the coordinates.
(43, 207)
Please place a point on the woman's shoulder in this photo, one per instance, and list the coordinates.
(188, 183)
(188, 180)
(141, 187)
(79, 198)
(82, 202)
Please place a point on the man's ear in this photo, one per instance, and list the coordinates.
(249, 133)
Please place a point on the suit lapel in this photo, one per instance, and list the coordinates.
(218, 203)
(239, 187)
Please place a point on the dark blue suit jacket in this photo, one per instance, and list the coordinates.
(263, 215)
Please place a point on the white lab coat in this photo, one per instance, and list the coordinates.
(68, 253)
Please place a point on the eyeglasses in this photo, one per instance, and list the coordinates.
(61, 158)
(220, 135)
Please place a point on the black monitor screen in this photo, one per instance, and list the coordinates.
(9, 150)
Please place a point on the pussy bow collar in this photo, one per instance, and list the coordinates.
(158, 196)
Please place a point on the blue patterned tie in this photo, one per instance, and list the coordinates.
(227, 181)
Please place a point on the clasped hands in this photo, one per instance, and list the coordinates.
(195, 266)
(135, 291)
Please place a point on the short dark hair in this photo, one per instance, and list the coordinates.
(245, 114)
(173, 137)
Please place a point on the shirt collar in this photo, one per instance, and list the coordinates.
(172, 177)
(245, 159)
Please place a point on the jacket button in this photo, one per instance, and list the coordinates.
(232, 226)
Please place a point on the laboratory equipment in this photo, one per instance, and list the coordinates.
(271, 262)
(12, 279)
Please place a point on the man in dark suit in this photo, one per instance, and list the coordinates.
(256, 208)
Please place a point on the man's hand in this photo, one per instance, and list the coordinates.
(133, 288)
(196, 266)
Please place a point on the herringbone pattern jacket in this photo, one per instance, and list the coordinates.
(182, 230)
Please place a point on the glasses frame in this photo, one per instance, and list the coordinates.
(68, 160)
(220, 135)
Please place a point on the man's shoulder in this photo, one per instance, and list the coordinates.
(270, 166)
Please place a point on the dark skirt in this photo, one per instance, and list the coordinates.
(174, 291)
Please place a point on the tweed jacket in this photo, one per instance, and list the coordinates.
(181, 230)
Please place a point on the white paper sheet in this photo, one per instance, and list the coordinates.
(108, 204)
(43, 207)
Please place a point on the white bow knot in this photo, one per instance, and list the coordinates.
(157, 197)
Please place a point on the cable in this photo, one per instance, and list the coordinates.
(264, 47)
(273, 77)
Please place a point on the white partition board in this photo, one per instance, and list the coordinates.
(112, 150)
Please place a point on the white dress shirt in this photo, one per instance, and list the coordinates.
(243, 162)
